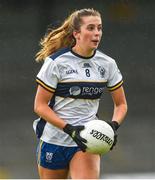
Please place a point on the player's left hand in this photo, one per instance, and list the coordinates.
(74, 132)
(114, 126)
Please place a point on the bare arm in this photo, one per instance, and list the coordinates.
(42, 109)
(120, 105)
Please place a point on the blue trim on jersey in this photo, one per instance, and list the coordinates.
(80, 90)
(59, 52)
(53, 156)
(41, 123)
(40, 127)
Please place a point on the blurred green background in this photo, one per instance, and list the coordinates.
(128, 37)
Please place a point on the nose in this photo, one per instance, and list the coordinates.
(97, 32)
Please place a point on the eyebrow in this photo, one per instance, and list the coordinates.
(94, 24)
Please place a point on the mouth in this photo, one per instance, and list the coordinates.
(95, 41)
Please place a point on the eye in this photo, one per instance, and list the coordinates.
(99, 28)
(90, 28)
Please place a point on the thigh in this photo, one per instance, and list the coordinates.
(45, 173)
(53, 160)
(52, 156)
(85, 165)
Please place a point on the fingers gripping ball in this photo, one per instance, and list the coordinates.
(99, 135)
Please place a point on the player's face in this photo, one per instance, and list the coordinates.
(89, 36)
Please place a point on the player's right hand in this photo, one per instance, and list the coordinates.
(74, 132)
(114, 126)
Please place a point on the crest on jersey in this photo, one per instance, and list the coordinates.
(49, 156)
(101, 71)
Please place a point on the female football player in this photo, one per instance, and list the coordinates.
(70, 83)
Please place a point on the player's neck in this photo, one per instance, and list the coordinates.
(82, 52)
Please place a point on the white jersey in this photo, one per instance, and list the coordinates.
(77, 83)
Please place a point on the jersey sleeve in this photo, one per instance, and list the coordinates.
(48, 75)
(115, 77)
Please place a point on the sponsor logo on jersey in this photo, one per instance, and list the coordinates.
(76, 90)
(72, 71)
(92, 90)
(101, 71)
(86, 65)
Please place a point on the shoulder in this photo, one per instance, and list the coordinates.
(59, 53)
(61, 56)
(105, 58)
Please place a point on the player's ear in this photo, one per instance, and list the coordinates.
(76, 34)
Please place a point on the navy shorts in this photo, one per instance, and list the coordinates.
(53, 156)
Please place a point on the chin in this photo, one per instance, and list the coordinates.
(94, 48)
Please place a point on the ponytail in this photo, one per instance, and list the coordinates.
(63, 35)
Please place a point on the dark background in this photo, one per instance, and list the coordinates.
(128, 37)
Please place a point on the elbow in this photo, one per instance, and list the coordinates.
(125, 108)
(37, 109)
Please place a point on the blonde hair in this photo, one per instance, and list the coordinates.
(63, 35)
